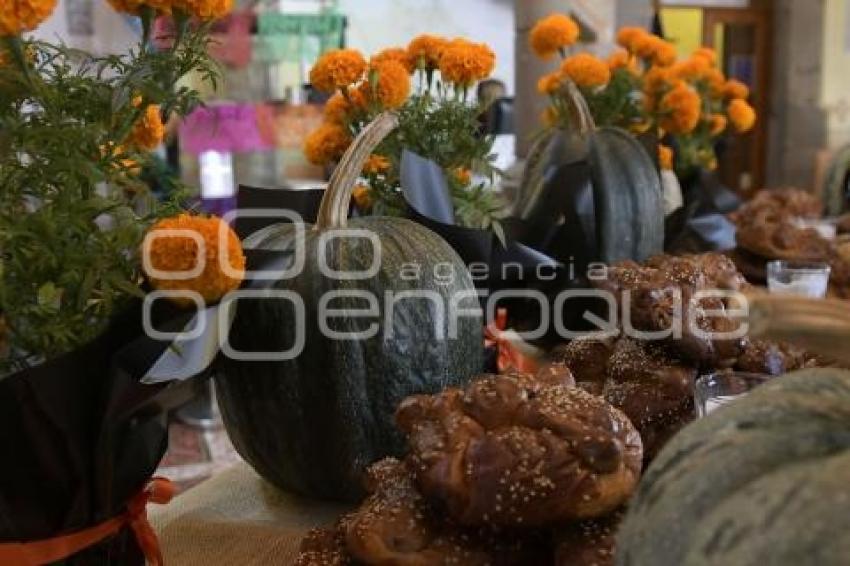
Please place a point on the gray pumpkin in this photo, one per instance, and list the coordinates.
(626, 219)
(765, 480)
(314, 423)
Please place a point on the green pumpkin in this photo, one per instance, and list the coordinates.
(763, 481)
(628, 215)
(313, 424)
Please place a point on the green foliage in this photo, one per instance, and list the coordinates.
(619, 103)
(439, 123)
(73, 210)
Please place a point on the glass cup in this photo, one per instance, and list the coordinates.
(717, 389)
(804, 279)
(826, 227)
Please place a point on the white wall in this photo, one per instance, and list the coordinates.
(835, 81)
(112, 32)
(375, 24)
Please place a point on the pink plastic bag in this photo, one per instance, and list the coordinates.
(226, 128)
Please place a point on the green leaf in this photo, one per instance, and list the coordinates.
(49, 297)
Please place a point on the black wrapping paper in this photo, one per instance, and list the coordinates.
(429, 203)
(702, 224)
(304, 201)
(81, 436)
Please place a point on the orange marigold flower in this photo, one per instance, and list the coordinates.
(692, 69)
(622, 59)
(716, 82)
(463, 175)
(180, 253)
(148, 131)
(326, 143)
(665, 157)
(338, 68)
(17, 16)
(734, 89)
(681, 109)
(397, 54)
(424, 52)
(464, 62)
(549, 83)
(376, 164)
(707, 53)
(122, 159)
(742, 115)
(204, 9)
(657, 79)
(362, 196)
(360, 96)
(717, 124)
(664, 54)
(644, 46)
(391, 83)
(628, 37)
(337, 109)
(619, 59)
(552, 34)
(586, 70)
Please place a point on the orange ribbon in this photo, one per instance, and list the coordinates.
(158, 490)
(508, 356)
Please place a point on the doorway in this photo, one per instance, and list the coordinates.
(739, 30)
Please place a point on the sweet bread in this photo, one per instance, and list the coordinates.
(665, 298)
(766, 226)
(587, 543)
(513, 450)
(396, 526)
(654, 390)
(587, 359)
(787, 201)
(323, 547)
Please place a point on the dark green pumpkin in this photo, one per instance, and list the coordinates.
(312, 424)
(627, 218)
(765, 480)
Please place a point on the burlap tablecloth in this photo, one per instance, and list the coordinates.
(236, 519)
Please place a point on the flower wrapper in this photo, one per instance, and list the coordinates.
(83, 435)
(304, 202)
(426, 192)
(702, 225)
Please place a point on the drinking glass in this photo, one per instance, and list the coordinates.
(805, 279)
(717, 389)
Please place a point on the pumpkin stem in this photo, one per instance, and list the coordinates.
(577, 107)
(333, 211)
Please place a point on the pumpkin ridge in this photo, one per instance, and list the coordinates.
(791, 488)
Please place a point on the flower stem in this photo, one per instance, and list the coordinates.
(15, 46)
(147, 16)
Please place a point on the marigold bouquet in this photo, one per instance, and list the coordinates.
(643, 87)
(428, 83)
(75, 131)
